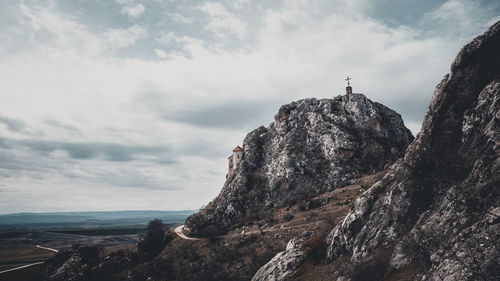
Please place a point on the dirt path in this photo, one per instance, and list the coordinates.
(180, 232)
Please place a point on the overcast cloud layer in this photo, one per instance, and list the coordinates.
(127, 104)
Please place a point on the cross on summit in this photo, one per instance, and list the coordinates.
(348, 89)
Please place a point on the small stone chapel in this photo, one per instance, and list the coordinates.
(235, 159)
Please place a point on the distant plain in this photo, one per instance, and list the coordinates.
(21, 233)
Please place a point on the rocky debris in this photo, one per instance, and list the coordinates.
(282, 266)
(437, 208)
(313, 146)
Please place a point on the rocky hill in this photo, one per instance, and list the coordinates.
(312, 147)
(436, 213)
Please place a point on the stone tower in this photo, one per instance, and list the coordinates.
(348, 89)
(235, 159)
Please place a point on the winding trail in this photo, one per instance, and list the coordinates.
(180, 232)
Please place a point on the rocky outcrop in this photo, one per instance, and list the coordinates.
(313, 146)
(282, 266)
(438, 208)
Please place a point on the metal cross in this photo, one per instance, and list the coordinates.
(348, 79)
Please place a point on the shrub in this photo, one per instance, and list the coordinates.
(157, 237)
(330, 220)
(89, 253)
(313, 204)
(288, 217)
(301, 207)
(315, 247)
(270, 220)
(369, 270)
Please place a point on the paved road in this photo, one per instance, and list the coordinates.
(21, 267)
(31, 264)
(48, 249)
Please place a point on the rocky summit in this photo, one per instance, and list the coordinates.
(313, 146)
(436, 213)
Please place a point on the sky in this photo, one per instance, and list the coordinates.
(128, 104)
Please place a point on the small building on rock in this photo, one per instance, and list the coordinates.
(235, 159)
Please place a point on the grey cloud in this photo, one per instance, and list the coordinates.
(62, 125)
(402, 12)
(20, 160)
(137, 180)
(206, 148)
(18, 154)
(412, 109)
(35, 167)
(3, 143)
(164, 161)
(231, 114)
(12, 124)
(88, 150)
(227, 115)
(452, 19)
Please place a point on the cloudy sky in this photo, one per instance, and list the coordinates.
(128, 104)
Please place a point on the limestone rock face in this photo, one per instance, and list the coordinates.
(282, 266)
(438, 208)
(313, 146)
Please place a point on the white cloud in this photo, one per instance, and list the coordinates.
(179, 18)
(124, 37)
(238, 4)
(454, 10)
(458, 18)
(125, 2)
(134, 11)
(222, 21)
(161, 54)
(70, 38)
(73, 76)
(66, 33)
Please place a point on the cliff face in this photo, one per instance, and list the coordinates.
(438, 208)
(313, 146)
